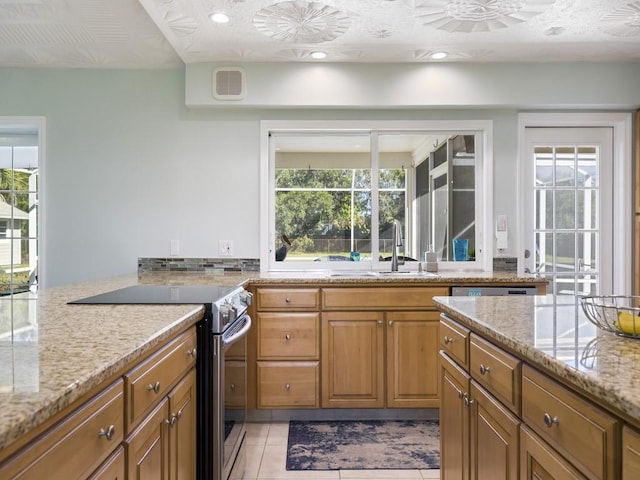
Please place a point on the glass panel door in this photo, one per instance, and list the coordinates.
(569, 212)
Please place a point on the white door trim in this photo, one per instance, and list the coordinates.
(622, 179)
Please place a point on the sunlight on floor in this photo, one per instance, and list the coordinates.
(266, 451)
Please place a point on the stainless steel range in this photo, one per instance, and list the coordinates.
(221, 367)
(225, 344)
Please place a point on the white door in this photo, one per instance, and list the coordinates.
(568, 208)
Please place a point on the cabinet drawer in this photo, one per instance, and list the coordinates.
(289, 336)
(76, 446)
(288, 298)
(497, 371)
(454, 340)
(152, 379)
(380, 298)
(288, 384)
(580, 431)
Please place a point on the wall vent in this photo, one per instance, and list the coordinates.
(228, 83)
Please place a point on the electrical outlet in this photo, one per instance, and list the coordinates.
(225, 248)
(175, 247)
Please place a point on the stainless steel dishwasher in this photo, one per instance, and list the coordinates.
(493, 291)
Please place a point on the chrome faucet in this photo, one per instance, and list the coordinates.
(397, 242)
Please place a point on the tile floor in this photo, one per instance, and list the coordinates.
(266, 450)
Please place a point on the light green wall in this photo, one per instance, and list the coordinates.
(129, 167)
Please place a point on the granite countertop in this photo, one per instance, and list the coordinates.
(324, 276)
(59, 352)
(53, 353)
(553, 334)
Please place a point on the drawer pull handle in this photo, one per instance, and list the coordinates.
(155, 387)
(460, 394)
(467, 401)
(390, 323)
(108, 433)
(380, 322)
(172, 420)
(287, 386)
(447, 340)
(287, 337)
(287, 300)
(193, 353)
(232, 386)
(484, 369)
(549, 420)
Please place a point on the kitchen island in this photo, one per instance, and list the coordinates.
(567, 392)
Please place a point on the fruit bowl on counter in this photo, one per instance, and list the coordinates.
(619, 314)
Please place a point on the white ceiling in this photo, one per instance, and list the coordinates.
(170, 33)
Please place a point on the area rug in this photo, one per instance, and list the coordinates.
(357, 445)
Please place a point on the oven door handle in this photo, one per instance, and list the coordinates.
(236, 335)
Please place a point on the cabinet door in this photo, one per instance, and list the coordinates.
(538, 461)
(148, 446)
(494, 441)
(630, 454)
(182, 429)
(412, 360)
(112, 469)
(454, 421)
(352, 360)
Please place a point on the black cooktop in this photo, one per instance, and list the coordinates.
(159, 294)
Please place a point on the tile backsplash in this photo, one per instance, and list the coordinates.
(211, 265)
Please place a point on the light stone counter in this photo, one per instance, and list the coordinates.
(553, 334)
(59, 352)
(54, 353)
(323, 276)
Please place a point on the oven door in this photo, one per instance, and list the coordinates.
(230, 401)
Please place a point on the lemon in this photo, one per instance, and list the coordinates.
(628, 323)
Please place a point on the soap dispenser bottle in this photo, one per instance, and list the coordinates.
(431, 258)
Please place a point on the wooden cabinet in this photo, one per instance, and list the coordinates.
(478, 436)
(148, 446)
(352, 360)
(113, 468)
(162, 413)
(583, 433)
(539, 462)
(182, 429)
(522, 423)
(454, 421)
(412, 360)
(497, 371)
(163, 446)
(380, 347)
(141, 426)
(288, 348)
(494, 437)
(630, 454)
(80, 442)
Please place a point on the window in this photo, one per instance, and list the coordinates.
(332, 194)
(18, 213)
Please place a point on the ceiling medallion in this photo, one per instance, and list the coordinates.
(300, 21)
(478, 15)
(624, 21)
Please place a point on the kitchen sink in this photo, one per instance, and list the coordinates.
(357, 273)
(407, 274)
(367, 273)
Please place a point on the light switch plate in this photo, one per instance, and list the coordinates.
(225, 248)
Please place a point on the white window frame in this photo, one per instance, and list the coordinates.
(484, 174)
(622, 179)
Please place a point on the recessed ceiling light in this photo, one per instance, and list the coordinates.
(318, 55)
(219, 17)
(439, 55)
